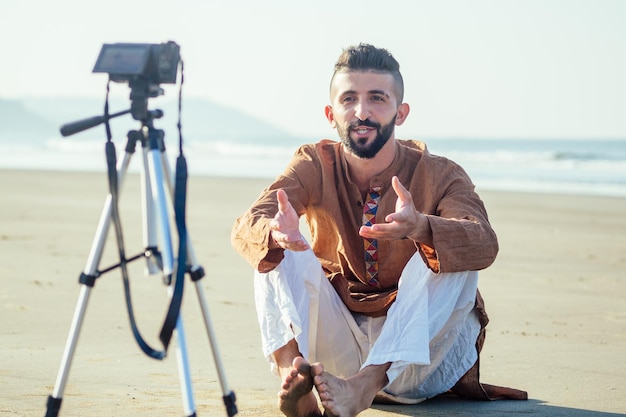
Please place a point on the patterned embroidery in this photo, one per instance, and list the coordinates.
(371, 245)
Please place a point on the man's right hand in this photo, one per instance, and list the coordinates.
(285, 227)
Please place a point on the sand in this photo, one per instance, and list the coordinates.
(555, 296)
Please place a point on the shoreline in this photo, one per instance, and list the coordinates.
(554, 297)
(568, 190)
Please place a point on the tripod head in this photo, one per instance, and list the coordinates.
(141, 90)
(144, 67)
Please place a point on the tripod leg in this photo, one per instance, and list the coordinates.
(149, 220)
(227, 395)
(87, 279)
(160, 209)
(196, 274)
(183, 367)
(54, 401)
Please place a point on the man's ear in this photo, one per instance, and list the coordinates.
(403, 111)
(328, 111)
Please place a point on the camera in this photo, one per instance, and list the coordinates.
(139, 62)
(144, 66)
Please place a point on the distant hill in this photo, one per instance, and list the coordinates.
(15, 117)
(200, 118)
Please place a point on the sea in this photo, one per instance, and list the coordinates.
(556, 166)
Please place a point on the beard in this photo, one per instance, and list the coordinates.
(360, 147)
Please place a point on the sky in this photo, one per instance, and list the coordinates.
(472, 68)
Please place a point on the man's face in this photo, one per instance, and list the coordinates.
(364, 110)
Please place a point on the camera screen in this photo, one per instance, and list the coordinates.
(123, 59)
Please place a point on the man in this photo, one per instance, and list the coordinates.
(383, 302)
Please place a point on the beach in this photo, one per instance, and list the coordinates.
(555, 297)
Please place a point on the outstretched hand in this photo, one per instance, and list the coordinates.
(405, 222)
(285, 227)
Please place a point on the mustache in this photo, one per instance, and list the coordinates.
(366, 122)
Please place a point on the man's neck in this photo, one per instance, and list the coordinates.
(363, 170)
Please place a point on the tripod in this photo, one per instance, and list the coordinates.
(157, 192)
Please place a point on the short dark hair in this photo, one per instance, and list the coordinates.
(366, 57)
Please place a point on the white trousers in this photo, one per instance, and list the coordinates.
(428, 335)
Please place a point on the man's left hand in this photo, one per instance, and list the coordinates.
(405, 222)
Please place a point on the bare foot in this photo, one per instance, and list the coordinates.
(296, 398)
(348, 397)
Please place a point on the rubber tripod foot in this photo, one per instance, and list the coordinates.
(53, 406)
